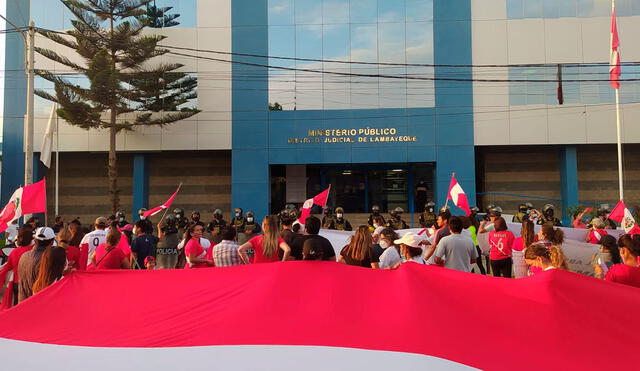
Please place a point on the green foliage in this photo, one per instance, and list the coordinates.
(275, 106)
(157, 17)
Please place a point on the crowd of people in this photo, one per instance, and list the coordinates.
(41, 256)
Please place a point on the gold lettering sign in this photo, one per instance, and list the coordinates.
(361, 135)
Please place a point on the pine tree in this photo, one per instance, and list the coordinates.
(158, 17)
(126, 85)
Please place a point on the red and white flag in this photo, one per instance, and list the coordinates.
(457, 195)
(164, 206)
(315, 316)
(24, 201)
(614, 64)
(320, 200)
(622, 215)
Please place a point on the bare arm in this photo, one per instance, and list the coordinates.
(429, 252)
(439, 260)
(93, 258)
(242, 250)
(374, 265)
(482, 227)
(286, 249)
(341, 260)
(195, 260)
(160, 232)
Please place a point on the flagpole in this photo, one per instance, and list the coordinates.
(57, 166)
(618, 128)
(446, 204)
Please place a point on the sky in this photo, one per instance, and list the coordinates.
(3, 8)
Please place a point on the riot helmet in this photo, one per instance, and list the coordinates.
(529, 205)
(195, 215)
(339, 212)
(397, 212)
(238, 212)
(375, 210)
(178, 212)
(120, 215)
(250, 216)
(430, 207)
(141, 212)
(522, 208)
(217, 214)
(548, 210)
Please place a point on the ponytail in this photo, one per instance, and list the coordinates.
(557, 258)
(553, 235)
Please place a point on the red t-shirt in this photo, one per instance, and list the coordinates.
(595, 236)
(501, 244)
(256, 243)
(518, 244)
(112, 260)
(14, 259)
(578, 224)
(194, 247)
(624, 274)
(73, 256)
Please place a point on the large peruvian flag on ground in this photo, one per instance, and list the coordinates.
(27, 200)
(316, 316)
(457, 195)
(319, 200)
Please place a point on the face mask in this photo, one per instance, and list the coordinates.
(384, 244)
(339, 216)
(195, 218)
(250, 220)
(376, 212)
(430, 210)
(237, 215)
(121, 219)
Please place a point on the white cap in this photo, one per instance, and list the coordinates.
(44, 234)
(409, 239)
(378, 231)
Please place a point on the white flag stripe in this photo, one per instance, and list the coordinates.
(455, 192)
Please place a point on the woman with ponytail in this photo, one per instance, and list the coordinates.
(538, 256)
(549, 235)
(526, 239)
(627, 273)
(108, 255)
(266, 245)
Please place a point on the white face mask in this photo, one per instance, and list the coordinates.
(339, 216)
(250, 220)
(384, 244)
(237, 215)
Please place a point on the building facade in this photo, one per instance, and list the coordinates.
(381, 99)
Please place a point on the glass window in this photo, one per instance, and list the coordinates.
(335, 11)
(281, 12)
(533, 9)
(364, 11)
(391, 10)
(337, 47)
(515, 9)
(567, 8)
(308, 12)
(419, 10)
(282, 82)
(635, 7)
(551, 8)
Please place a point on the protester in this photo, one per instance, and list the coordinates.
(287, 218)
(51, 268)
(143, 245)
(391, 257)
(456, 251)
(549, 236)
(77, 233)
(11, 232)
(97, 237)
(520, 243)
(314, 246)
(471, 225)
(359, 251)
(596, 231)
(167, 248)
(501, 245)
(225, 254)
(266, 246)
(73, 252)
(24, 243)
(538, 256)
(577, 219)
(194, 253)
(410, 248)
(30, 262)
(150, 263)
(58, 224)
(442, 231)
(107, 255)
(607, 255)
(628, 272)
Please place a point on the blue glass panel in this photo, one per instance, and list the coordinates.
(308, 12)
(515, 9)
(567, 8)
(551, 8)
(533, 9)
(635, 7)
(624, 8)
(391, 10)
(364, 11)
(335, 11)
(419, 10)
(281, 12)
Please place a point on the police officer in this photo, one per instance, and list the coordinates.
(195, 218)
(428, 217)
(181, 220)
(522, 214)
(215, 227)
(341, 224)
(167, 250)
(396, 222)
(375, 212)
(238, 220)
(474, 212)
(328, 219)
(548, 218)
(141, 212)
(121, 218)
(250, 229)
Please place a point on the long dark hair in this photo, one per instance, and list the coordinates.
(610, 245)
(554, 235)
(360, 246)
(51, 266)
(25, 236)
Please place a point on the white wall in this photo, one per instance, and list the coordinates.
(497, 40)
(209, 130)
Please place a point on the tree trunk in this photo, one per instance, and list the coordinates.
(114, 192)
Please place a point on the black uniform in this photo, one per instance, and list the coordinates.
(544, 220)
(239, 222)
(342, 225)
(397, 223)
(520, 217)
(427, 219)
(370, 221)
(215, 227)
(328, 222)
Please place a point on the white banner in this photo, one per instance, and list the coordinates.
(576, 250)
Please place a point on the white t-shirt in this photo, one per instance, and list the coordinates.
(94, 239)
(389, 258)
(11, 233)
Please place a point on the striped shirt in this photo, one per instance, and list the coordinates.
(225, 254)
